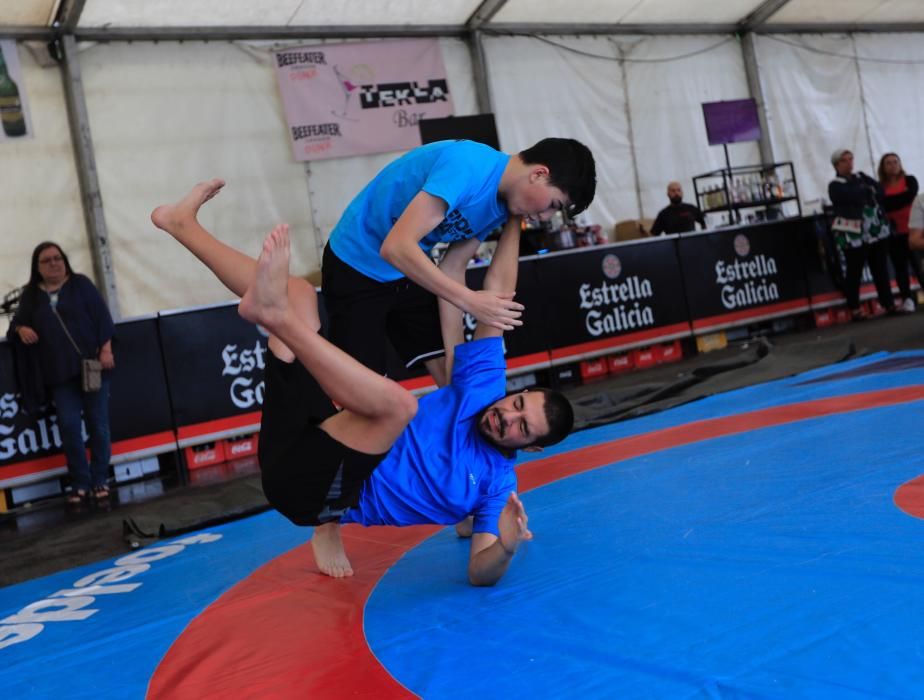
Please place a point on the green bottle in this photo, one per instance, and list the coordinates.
(14, 124)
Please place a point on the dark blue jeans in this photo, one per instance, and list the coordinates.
(70, 401)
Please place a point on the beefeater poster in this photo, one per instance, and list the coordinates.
(362, 97)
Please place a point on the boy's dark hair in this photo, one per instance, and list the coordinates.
(558, 413)
(571, 169)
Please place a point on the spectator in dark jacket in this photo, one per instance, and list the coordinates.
(860, 230)
(58, 310)
(900, 189)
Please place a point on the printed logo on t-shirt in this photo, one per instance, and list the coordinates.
(455, 227)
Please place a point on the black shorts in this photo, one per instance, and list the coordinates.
(307, 475)
(362, 313)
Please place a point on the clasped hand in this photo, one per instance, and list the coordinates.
(496, 309)
(27, 335)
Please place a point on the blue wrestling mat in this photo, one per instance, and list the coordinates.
(761, 543)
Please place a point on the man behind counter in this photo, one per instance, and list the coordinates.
(678, 216)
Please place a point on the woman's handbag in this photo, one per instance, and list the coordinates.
(91, 371)
(91, 375)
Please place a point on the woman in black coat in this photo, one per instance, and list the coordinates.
(62, 315)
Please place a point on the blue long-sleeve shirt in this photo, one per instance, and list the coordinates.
(87, 318)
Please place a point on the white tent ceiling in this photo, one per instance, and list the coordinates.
(606, 15)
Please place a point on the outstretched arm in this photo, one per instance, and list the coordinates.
(501, 278)
(490, 555)
(400, 248)
(453, 265)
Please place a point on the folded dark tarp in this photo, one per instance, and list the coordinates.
(237, 499)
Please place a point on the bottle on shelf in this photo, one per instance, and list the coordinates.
(11, 114)
(754, 187)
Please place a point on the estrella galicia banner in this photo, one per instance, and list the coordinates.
(613, 296)
(139, 407)
(740, 276)
(215, 362)
(362, 97)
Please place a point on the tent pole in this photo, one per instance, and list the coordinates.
(752, 73)
(91, 197)
(480, 72)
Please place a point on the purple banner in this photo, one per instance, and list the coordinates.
(352, 99)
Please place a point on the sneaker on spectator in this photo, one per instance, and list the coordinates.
(908, 306)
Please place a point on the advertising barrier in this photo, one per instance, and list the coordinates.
(214, 361)
(195, 377)
(140, 414)
(741, 276)
(603, 299)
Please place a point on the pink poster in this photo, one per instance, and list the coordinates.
(352, 99)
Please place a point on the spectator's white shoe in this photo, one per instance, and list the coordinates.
(908, 306)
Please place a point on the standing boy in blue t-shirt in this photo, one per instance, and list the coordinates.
(377, 277)
(384, 458)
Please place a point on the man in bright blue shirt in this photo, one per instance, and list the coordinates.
(441, 468)
(377, 277)
(383, 458)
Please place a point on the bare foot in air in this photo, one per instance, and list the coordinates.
(267, 299)
(328, 551)
(171, 217)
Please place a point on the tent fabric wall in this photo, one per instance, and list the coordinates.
(892, 97)
(642, 115)
(211, 110)
(814, 105)
(39, 192)
(541, 90)
(665, 98)
(165, 116)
